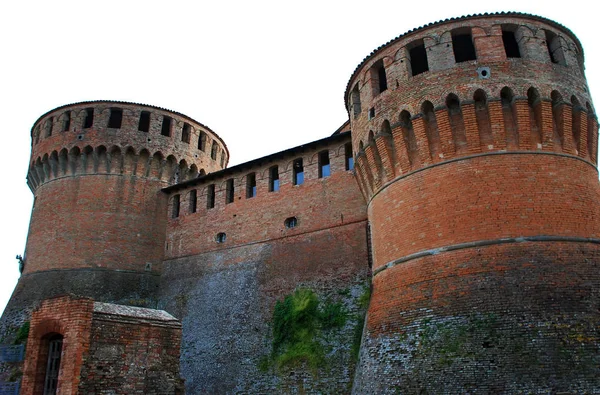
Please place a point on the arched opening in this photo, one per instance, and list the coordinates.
(557, 120)
(576, 122)
(456, 123)
(509, 113)
(410, 140)
(535, 117)
(52, 347)
(431, 129)
(486, 140)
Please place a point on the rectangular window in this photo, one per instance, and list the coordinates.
(511, 46)
(49, 124)
(222, 158)
(229, 191)
(418, 59)
(298, 172)
(251, 185)
(175, 213)
(67, 121)
(324, 167)
(210, 196)
(115, 118)
(378, 78)
(185, 133)
(274, 179)
(355, 101)
(166, 126)
(202, 141)
(462, 45)
(144, 125)
(213, 151)
(88, 122)
(193, 201)
(348, 156)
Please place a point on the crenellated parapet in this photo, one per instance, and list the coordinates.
(117, 138)
(467, 86)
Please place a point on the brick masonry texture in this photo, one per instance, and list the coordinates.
(471, 213)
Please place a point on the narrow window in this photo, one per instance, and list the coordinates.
(221, 237)
(554, 48)
(378, 78)
(53, 364)
(324, 167)
(291, 222)
(175, 213)
(511, 46)
(213, 150)
(67, 121)
(274, 179)
(229, 191)
(202, 141)
(251, 185)
(298, 172)
(462, 44)
(355, 101)
(49, 124)
(166, 126)
(185, 133)
(144, 124)
(88, 122)
(348, 156)
(210, 196)
(418, 58)
(193, 201)
(222, 158)
(371, 113)
(115, 118)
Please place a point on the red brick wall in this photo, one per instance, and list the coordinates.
(70, 317)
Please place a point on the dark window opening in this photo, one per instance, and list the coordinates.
(511, 46)
(49, 124)
(221, 237)
(222, 158)
(554, 48)
(418, 59)
(210, 196)
(378, 78)
(324, 166)
(53, 364)
(274, 179)
(166, 126)
(144, 124)
(251, 185)
(88, 122)
(462, 44)
(298, 172)
(213, 151)
(355, 101)
(185, 133)
(115, 118)
(349, 159)
(229, 191)
(291, 222)
(67, 121)
(176, 202)
(193, 201)
(371, 113)
(202, 141)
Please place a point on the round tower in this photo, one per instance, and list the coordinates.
(476, 144)
(98, 223)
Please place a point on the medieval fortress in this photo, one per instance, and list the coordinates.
(450, 227)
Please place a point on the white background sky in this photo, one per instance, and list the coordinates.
(264, 75)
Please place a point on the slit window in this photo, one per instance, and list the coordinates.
(210, 196)
(213, 151)
(251, 185)
(144, 124)
(378, 78)
(324, 166)
(88, 122)
(462, 44)
(202, 141)
(418, 59)
(176, 201)
(166, 126)
(193, 201)
(298, 172)
(66, 121)
(349, 159)
(185, 132)
(355, 101)
(49, 124)
(229, 191)
(274, 179)
(291, 222)
(53, 364)
(511, 46)
(115, 118)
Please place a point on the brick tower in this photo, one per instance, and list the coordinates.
(98, 225)
(477, 151)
